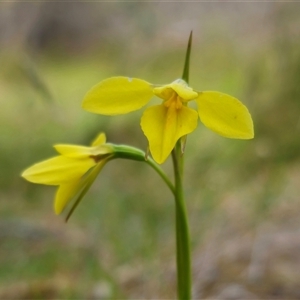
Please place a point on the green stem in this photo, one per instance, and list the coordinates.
(184, 281)
(128, 152)
(160, 172)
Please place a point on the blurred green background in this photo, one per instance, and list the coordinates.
(242, 196)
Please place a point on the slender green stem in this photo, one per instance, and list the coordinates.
(160, 172)
(184, 278)
(128, 152)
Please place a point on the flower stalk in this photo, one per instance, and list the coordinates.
(128, 152)
(183, 251)
(183, 256)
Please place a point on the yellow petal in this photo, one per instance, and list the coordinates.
(164, 126)
(58, 170)
(67, 191)
(99, 140)
(180, 87)
(81, 152)
(183, 90)
(73, 150)
(118, 95)
(225, 115)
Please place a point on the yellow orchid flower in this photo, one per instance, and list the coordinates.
(74, 170)
(164, 124)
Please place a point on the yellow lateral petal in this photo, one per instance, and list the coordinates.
(164, 126)
(225, 115)
(118, 95)
(58, 170)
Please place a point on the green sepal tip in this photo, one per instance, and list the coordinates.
(186, 69)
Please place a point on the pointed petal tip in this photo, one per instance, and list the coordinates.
(246, 136)
(250, 136)
(23, 174)
(159, 160)
(29, 175)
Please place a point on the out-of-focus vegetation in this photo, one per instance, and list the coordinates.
(243, 196)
